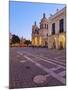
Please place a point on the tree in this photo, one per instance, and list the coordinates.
(27, 42)
(15, 39)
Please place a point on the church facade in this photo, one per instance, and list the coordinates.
(39, 34)
(51, 32)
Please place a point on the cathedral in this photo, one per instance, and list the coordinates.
(39, 34)
(52, 31)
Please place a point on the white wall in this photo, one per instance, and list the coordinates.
(56, 21)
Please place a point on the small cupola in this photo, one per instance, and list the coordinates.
(44, 22)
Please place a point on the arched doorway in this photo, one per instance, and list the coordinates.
(61, 41)
(46, 44)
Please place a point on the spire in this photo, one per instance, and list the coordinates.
(43, 15)
(35, 23)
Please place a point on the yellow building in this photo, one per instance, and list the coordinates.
(35, 35)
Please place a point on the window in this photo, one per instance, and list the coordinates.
(36, 31)
(41, 26)
(53, 28)
(47, 26)
(61, 25)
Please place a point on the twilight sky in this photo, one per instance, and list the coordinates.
(24, 14)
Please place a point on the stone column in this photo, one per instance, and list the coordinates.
(57, 42)
(49, 42)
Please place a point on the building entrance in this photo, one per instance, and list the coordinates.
(61, 41)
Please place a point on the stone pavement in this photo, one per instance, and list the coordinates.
(37, 67)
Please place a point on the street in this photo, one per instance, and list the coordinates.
(36, 67)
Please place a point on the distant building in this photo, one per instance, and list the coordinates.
(22, 40)
(39, 34)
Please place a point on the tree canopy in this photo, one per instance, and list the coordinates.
(27, 42)
(15, 39)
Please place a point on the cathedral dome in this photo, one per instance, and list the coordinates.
(44, 19)
(44, 22)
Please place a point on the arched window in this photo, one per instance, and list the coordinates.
(47, 26)
(53, 28)
(61, 25)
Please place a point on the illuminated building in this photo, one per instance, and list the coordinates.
(39, 35)
(57, 30)
(51, 31)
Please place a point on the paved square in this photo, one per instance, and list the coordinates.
(37, 67)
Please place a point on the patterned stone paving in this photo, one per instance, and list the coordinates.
(26, 64)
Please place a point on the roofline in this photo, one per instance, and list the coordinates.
(57, 13)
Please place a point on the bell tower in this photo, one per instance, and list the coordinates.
(35, 33)
(43, 29)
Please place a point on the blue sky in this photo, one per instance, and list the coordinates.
(24, 14)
